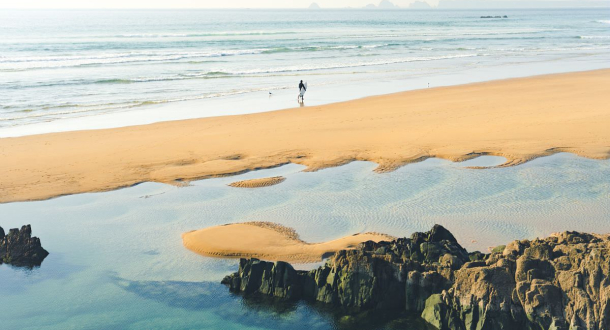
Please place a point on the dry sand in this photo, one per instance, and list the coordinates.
(258, 183)
(267, 241)
(519, 119)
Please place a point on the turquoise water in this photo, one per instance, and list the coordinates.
(81, 64)
(117, 260)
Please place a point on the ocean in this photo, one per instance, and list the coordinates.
(79, 69)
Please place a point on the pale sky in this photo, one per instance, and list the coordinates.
(189, 3)
(194, 3)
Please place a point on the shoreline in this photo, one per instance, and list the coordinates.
(519, 119)
(284, 99)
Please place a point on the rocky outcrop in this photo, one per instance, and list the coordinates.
(19, 248)
(560, 282)
(399, 274)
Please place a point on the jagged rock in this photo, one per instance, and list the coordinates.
(373, 276)
(561, 282)
(19, 248)
(533, 285)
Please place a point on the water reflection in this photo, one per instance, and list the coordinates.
(215, 298)
(267, 312)
(15, 280)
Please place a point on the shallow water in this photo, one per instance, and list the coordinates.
(117, 261)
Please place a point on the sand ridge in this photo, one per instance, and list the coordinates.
(258, 183)
(519, 119)
(267, 241)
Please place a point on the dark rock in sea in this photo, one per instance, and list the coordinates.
(560, 282)
(19, 248)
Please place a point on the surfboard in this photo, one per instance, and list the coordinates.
(303, 90)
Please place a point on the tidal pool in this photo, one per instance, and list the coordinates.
(117, 261)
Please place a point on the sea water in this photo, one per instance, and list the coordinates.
(80, 69)
(117, 261)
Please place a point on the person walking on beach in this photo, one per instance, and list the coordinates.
(302, 90)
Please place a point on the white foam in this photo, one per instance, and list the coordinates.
(594, 37)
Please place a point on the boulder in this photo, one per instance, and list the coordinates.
(19, 248)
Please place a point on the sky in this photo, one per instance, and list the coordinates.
(4, 4)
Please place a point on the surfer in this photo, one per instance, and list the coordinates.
(302, 90)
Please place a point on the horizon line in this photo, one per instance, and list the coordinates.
(603, 4)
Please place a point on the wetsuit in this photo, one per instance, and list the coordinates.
(301, 86)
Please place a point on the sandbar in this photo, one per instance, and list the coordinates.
(258, 183)
(519, 119)
(268, 241)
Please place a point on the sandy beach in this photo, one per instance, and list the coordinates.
(268, 241)
(519, 119)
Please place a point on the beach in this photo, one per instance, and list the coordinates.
(142, 67)
(158, 172)
(519, 119)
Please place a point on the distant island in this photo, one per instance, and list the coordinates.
(384, 4)
(420, 5)
(482, 4)
(501, 4)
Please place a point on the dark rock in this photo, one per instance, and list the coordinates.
(474, 264)
(560, 282)
(19, 248)
(439, 234)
